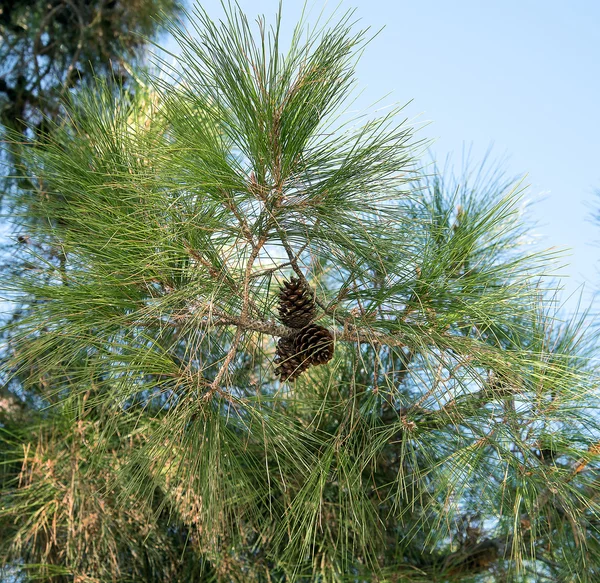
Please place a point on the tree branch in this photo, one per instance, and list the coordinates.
(238, 333)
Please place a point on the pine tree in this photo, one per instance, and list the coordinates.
(221, 231)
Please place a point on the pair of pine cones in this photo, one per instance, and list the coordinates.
(307, 344)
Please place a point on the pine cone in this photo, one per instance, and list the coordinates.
(296, 303)
(289, 364)
(314, 344)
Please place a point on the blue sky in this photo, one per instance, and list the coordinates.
(520, 76)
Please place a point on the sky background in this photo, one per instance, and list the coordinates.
(522, 77)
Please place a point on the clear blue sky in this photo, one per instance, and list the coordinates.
(523, 76)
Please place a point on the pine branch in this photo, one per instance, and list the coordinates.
(350, 333)
(416, 449)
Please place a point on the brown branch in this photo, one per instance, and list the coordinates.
(245, 228)
(579, 466)
(269, 270)
(221, 275)
(273, 328)
(79, 41)
(347, 335)
(293, 259)
(214, 387)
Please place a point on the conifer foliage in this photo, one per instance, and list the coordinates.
(198, 246)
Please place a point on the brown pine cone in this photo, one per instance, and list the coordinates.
(314, 343)
(296, 303)
(289, 364)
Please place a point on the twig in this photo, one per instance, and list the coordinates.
(577, 468)
(294, 263)
(222, 275)
(214, 387)
(275, 329)
(269, 270)
(240, 218)
(79, 41)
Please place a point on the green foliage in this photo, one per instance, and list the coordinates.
(71, 521)
(453, 436)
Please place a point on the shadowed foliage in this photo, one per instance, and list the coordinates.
(51, 46)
